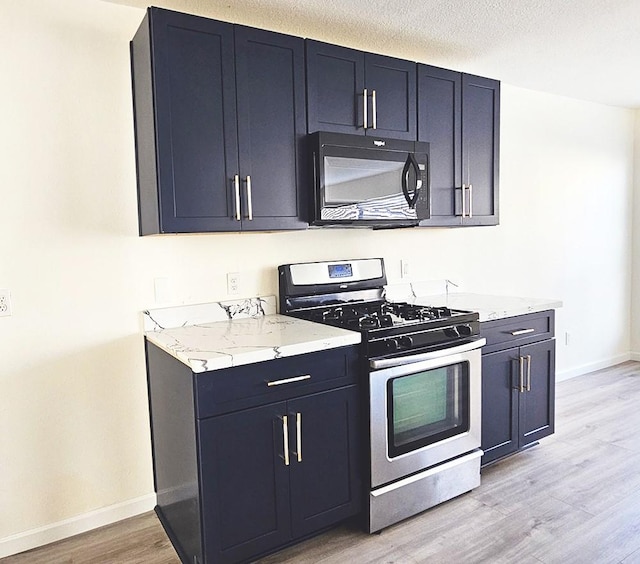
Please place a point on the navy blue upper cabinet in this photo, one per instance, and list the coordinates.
(350, 91)
(480, 150)
(440, 123)
(459, 115)
(271, 128)
(220, 119)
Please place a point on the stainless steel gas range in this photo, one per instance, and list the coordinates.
(422, 370)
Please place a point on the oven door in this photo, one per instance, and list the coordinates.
(424, 410)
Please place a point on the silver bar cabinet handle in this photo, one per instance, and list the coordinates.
(374, 110)
(236, 185)
(249, 198)
(285, 436)
(464, 206)
(288, 380)
(299, 436)
(365, 104)
(470, 200)
(528, 373)
(522, 332)
(521, 383)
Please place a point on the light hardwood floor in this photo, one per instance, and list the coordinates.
(575, 498)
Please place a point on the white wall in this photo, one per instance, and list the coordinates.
(74, 434)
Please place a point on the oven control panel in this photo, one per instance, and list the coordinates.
(441, 336)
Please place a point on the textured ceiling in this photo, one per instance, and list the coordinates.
(587, 49)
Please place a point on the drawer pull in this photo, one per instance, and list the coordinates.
(528, 357)
(522, 332)
(521, 375)
(288, 380)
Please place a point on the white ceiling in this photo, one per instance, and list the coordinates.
(587, 49)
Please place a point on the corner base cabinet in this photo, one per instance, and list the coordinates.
(518, 383)
(243, 468)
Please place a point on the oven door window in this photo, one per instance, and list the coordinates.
(427, 407)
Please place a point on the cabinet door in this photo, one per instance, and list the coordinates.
(480, 150)
(336, 82)
(393, 84)
(271, 128)
(499, 404)
(244, 482)
(440, 124)
(195, 117)
(335, 88)
(325, 460)
(537, 404)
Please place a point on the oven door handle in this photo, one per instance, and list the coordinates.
(410, 359)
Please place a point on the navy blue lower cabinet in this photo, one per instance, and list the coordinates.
(279, 472)
(245, 483)
(518, 383)
(325, 469)
(243, 468)
(499, 405)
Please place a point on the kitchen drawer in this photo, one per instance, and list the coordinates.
(241, 387)
(518, 330)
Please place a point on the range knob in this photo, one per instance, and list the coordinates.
(406, 342)
(392, 345)
(464, 330)
(451, 332)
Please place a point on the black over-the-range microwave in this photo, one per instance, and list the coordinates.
(369, 182)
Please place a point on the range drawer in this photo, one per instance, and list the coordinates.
(241, 387)
(518, 330)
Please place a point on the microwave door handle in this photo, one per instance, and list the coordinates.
(411, 163)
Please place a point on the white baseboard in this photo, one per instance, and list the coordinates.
(591, 367)
(76, 525)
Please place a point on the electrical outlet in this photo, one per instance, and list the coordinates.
(5, 302)
(233, 283)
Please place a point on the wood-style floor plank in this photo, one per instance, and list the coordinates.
(575, 498)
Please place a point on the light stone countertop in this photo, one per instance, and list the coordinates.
(489, 307)
(223, 334)
(245, 340)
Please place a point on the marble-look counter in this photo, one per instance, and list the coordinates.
(245, 337)
(194, 314)
(489, 307)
